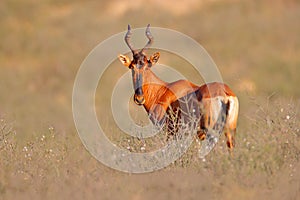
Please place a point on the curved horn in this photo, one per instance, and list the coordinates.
(149, 36)
(127, 38)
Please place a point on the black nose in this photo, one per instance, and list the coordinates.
(139, 91)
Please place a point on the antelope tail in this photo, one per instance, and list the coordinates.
(212, 134)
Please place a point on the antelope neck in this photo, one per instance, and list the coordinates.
(153, 88)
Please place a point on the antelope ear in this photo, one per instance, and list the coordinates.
(124, 60)
(154, 58)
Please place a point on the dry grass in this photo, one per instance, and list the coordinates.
(50, 162)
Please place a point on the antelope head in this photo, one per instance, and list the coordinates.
(139, 64)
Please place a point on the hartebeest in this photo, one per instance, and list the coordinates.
(157, 96)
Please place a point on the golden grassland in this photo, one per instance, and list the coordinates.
(256, 46)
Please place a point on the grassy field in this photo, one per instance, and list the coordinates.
(255, 44)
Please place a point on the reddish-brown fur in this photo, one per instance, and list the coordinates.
(157, 96)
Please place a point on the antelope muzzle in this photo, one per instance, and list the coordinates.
(139, 97)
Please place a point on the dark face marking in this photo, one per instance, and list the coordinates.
(138, 66)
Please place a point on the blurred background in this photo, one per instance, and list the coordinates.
(255, 44)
